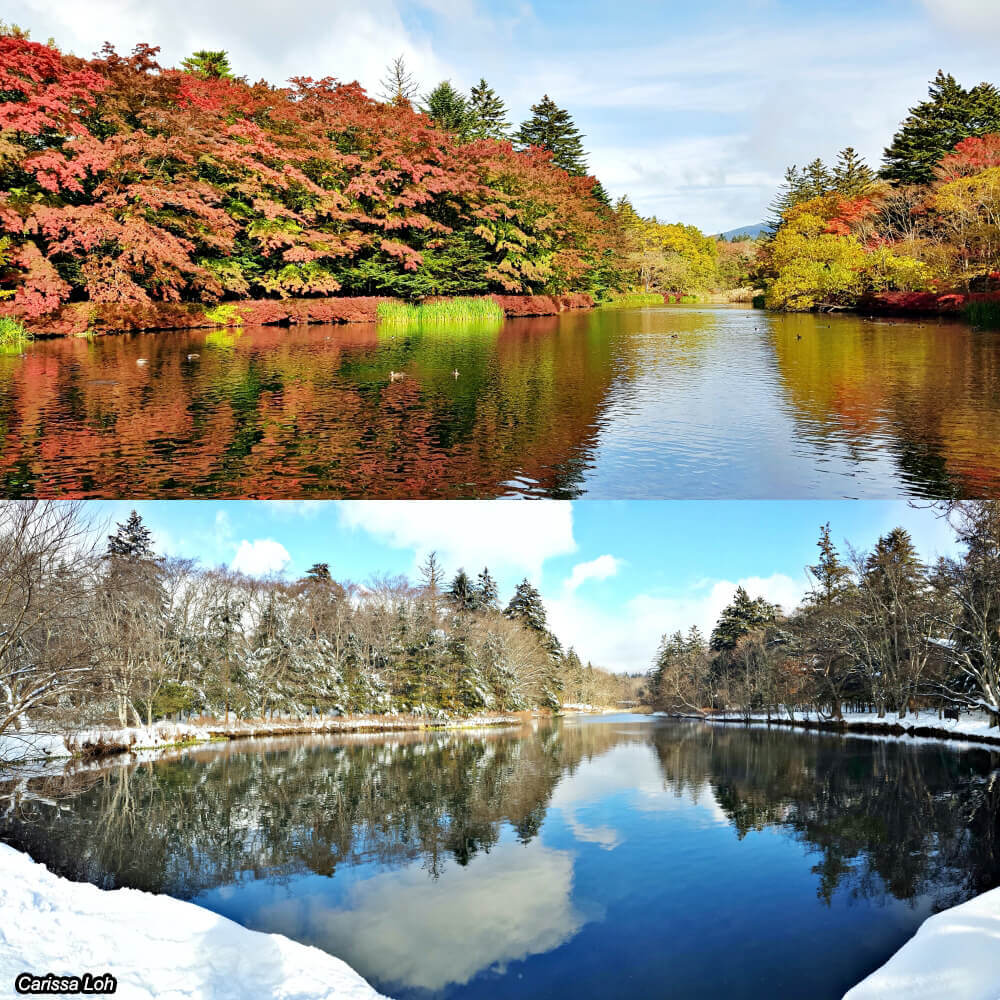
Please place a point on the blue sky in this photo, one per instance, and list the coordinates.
(614, 575)
(692, 109)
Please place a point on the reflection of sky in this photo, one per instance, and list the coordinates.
(403, 927)
(628, 886)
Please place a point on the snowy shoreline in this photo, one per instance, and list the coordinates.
(970, 729)
(953, 956)
(155, 946)
(28, 746)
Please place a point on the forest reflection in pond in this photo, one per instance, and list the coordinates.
(624, 853)
(672, 402)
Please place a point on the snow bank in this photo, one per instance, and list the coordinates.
(955, 955)
(973, 727)
(24, 746)
(155, 946)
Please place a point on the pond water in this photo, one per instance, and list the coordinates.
(672, 402)
(602, 857)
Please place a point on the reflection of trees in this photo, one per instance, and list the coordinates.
(929, 389)
(885, 818)
(211, 817)
(306, 410)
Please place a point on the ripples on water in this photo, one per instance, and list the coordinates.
(616, 857)
(677, 402)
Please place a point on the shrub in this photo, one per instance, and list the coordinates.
(984, 314)
(225, 314)
(13, 335)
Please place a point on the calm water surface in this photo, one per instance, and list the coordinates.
(614, 857)
(675, 402)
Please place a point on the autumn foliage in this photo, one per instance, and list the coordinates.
(125, 182)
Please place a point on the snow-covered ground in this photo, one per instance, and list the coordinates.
(955, 955)
(17, 747)
(154, 946)
(972, 727)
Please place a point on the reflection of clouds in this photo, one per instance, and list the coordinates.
(632, 769)
(405, 928)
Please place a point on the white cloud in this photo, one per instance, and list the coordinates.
(260, 557)
(506, 535)
(405, 928)
(626, 639)
(600, 568)
(965, 15)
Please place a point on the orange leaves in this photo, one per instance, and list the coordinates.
(141, 183)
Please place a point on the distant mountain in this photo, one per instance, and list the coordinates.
(751, 231)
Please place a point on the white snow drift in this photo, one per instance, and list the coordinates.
(955, 955)
(154, 946)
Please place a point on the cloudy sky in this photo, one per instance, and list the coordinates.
(615, 576)
(692, 109)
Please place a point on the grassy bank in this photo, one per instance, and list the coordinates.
(13, 335)
(87, 318)
(459, 311)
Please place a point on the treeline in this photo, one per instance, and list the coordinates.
(879, 631)
(128, 636)
(126, 181)
(927, 222)
(122, 180)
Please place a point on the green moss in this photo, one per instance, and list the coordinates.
(633, 300)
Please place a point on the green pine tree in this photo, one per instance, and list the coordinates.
(487, 114)
(852, 177)
(447, 107)
(935, 126)
(209, 64)
(552, 128)
(132, 541)
(739, 618)
(526, 607)
(487, 593)
(463, 592)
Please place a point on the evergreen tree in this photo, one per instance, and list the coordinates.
(399, 86)
(209, 65)
(739, 618)
(132, 541)
(552, 128)
(934, 127)
(526, 607)
(600, 194)
(463, 592)
(447, 107)
(830, 574)
(319, 573)
(852, 177)
(487, 114)
(487, 594)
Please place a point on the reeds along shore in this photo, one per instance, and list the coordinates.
(80, 318)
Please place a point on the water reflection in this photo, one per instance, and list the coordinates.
(623, 854)
(672, 402)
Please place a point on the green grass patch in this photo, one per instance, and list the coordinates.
(13, 336)
(224, 314)
(985, 315)
(460, 311)
(633, 300)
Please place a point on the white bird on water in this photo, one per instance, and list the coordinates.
(454, 374)
(394, 376)
(141, 361)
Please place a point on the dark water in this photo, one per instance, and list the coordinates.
(615, 857)
(676, 402)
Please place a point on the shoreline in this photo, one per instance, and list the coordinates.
(152, 944)
(966, 730)
(97, 743)
(78, 319)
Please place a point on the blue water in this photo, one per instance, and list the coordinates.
(615, 857)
